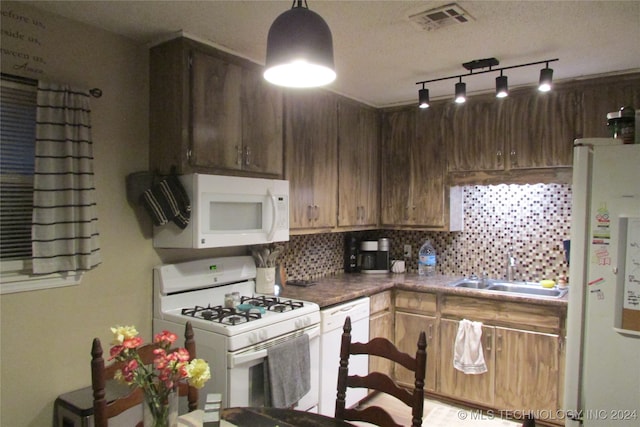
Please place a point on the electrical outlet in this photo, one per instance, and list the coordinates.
(407, 251)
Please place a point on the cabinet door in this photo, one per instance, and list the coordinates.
(407, 330)
(216, 118)
(358, 167)
(475, 135)
(398, 136)
(381, 325)
(475, 388)
(542, 128)
(526, 370)
(606, 96)
(428, 163)
(262, 138)
(311, 158)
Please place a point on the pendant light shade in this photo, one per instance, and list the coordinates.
(299, 49)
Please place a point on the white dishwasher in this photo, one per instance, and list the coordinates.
(331, 323)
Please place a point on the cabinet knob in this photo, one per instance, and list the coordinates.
(247, 156)
(238, 155)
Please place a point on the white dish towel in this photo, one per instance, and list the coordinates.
(467, 355)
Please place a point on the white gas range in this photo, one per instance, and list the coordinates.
(233, 340)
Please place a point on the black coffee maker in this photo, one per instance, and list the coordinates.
(373, 256)
(350, 254)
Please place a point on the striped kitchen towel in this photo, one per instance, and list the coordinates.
(168, 201)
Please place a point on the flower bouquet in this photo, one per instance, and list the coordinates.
(158, 381)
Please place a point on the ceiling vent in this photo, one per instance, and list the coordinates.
(440, 17)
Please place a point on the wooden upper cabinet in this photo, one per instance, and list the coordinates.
(604, 96)
(413, 161)
(216, 120)
(541, 127)
(311, 136)
(428, 163)
(398, 142)
(358, 164)
(475, 135)
(211, 112)
(262, 136)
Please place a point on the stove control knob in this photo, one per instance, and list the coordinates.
(258, 336)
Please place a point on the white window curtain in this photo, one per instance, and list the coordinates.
(64, 232)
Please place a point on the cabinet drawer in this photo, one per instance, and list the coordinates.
(416, 301)
(503, 313)
(380, 302)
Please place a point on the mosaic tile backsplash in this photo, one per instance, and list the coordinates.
(531, 219)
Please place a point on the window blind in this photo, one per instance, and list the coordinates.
(17, 145)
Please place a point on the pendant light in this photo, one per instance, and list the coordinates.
(502, 87)
(461, 92)
(423, 98)
(546, 76)
(299, 49)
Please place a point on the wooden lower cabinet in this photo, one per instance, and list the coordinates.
(407, 330)
(381, 325)
(522, 345)
(472, 387)
(526, 370)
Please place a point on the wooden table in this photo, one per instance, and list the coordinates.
(270, 417)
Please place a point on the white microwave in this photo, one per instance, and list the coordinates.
(229, 211)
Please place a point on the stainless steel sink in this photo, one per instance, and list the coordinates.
(496, 285)
(471, 283)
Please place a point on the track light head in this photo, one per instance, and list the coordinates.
(546, 77)
(502, 87)
(461, 92)
(423, 98)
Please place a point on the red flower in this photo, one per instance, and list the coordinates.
(115, 351)
(129, 370)
(166, 338)
(132, 342)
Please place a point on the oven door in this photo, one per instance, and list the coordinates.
(246, 372)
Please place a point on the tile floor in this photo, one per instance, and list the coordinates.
(438, 414)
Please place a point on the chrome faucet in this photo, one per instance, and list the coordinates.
(511, 265)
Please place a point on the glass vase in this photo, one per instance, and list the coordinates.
(158, 412)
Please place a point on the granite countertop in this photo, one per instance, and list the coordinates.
(341, 288)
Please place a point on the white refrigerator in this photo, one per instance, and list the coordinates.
(602, 368)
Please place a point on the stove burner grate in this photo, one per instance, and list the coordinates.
(220, 314)
(272, 303)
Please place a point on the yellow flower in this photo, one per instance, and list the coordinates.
(198, 372)
(121, 333)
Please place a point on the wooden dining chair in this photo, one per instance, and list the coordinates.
(100, 374)
(380, 347)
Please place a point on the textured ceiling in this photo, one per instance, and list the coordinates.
(380, 54)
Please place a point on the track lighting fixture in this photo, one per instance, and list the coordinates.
(502, 87)
(461, 92)
(423, 98)
(546, 76)
(299, 49)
